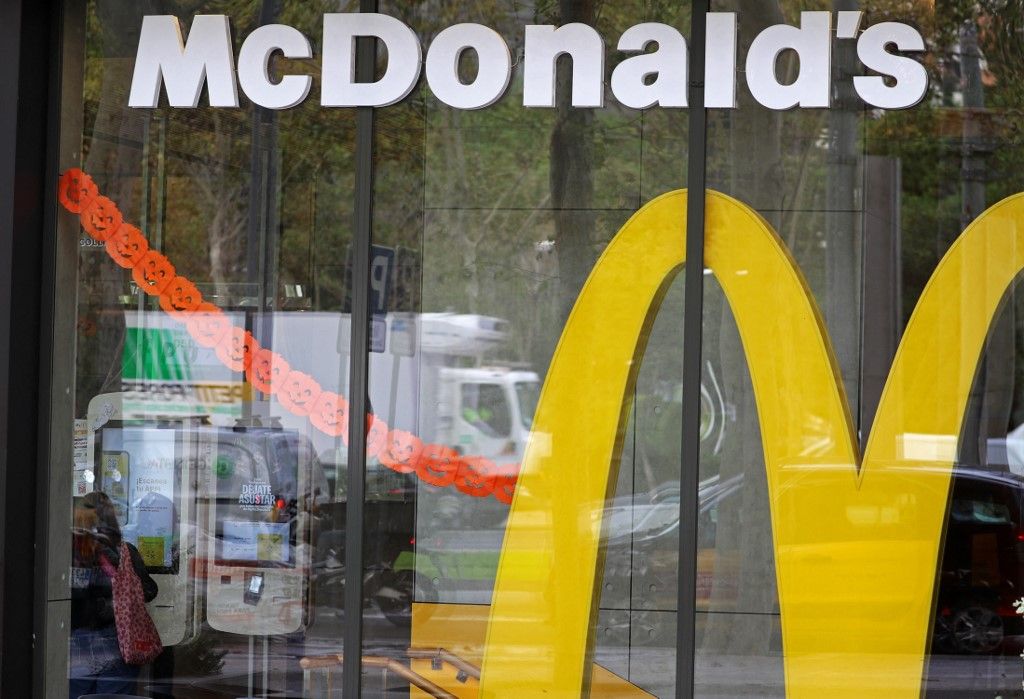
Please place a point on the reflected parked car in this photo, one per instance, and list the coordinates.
(982, 571)
(980, 576)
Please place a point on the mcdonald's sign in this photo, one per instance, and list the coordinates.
(857, 537)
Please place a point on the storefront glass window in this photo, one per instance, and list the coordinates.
(859, 500)
(230, 499)
(496, 218)
(868, 202)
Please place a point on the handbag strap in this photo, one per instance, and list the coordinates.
(126, 556)
(107, 566)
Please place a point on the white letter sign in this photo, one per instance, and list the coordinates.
(812, 42)
(339, 87)
(544, 44)
(911, 77)
(253, 66)
(653, 73)
(183, 68)
(493, 74)
(668, 66)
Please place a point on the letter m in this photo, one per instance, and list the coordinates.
(163, 56)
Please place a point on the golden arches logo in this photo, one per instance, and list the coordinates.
(857, 539)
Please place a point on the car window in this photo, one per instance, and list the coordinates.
(528, 393)
(485, 406)
(980, 509)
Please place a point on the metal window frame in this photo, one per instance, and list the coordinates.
(34, 52)
(693, 335)
(352, 675)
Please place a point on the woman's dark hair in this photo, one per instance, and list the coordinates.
(106, 516)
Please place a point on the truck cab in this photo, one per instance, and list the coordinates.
(487, 411)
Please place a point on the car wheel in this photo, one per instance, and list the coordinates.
(976, 629)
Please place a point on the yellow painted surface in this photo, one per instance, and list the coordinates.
(461, 628)
(856, 546)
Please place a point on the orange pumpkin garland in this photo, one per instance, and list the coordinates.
(438, 465)
(101, 218)
(235, 350)
(207, 324)
(300, 394)
(76, 190)
(267, 370)
(180, 297)
(153, 273)
(126, 246)
(376, 436)
(330, 415)
(476, 476)
(505, 484)
(401, 452)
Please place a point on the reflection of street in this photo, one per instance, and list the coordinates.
(283, 653)
(720, 675)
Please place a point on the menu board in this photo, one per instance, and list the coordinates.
(255, 474)
(265, 542)
(139, 469)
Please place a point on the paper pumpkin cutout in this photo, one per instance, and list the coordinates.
(101, 218)
(298, 393)
(505, 484)
(153, 273)
(267, 371)
(401, 452)
(76, 190)
(438, 465)
(236, 349)
(126, 246)
(475, 476)
(330, 415)
(179, 297)
(207, 324)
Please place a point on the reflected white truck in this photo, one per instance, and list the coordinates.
(429, 378)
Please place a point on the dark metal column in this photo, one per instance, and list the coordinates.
(693, 319)
(366, 54)
(29, 58)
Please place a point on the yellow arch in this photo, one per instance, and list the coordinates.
(855, 550)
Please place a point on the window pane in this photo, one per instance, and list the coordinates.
(226, 492)
(496, 217)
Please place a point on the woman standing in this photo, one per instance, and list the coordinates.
(96, 663)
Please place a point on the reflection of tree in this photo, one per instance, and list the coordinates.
(961, 152)
(753, 141)
(112, 153)
(572, 173)
(221, 191)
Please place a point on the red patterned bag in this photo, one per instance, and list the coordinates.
(136, 633)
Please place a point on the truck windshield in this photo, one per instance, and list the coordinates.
(528, 393)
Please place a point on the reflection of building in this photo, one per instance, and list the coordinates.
(419, 262)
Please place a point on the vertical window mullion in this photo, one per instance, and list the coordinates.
(693, 317)
(358, 371)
